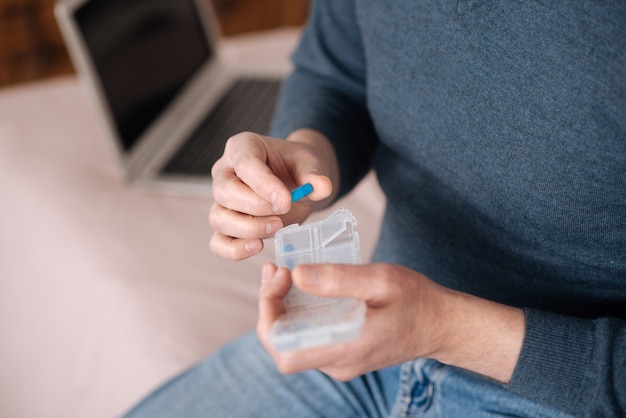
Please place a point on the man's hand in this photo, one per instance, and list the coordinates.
(252, 183)
(408, 316)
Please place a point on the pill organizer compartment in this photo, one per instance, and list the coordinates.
(314, 321)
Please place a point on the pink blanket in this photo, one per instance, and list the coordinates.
(105, 290)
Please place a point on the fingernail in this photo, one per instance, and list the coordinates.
(253, 246)
(273, 198)
(272, 227)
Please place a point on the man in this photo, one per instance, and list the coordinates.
(498, 134)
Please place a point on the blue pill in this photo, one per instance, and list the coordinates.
(300, 192)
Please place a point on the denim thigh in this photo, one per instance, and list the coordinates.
(241, 380)
(430, 389)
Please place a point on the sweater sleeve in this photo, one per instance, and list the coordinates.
(576, 365)
(327, 89)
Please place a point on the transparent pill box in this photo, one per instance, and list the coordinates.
(312, 321)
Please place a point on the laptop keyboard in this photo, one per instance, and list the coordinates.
(247, 106)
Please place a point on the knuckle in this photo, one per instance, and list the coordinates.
(340, 272)
(241, 160)
(235, 254)
(249, 230)
(247, 227)
(238, 141)
(234, 141)
(214, 224)
(225, 247)
(217, 167)
(284, 364)
(213, 218)
(387, 282)
(241, 226)
(256, 206)
(214, 245)
(242, 137)
(219, 192)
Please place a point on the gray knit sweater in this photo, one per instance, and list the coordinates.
(498, 134)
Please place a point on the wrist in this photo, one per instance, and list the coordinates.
(479, 335)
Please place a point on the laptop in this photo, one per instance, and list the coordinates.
(166, 100)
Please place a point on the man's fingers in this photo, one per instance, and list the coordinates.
(234, 248)
(240, 225)
(230, 192)
(248, 156)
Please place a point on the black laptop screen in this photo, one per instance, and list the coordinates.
(144, 52)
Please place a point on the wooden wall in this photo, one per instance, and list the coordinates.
(31, 46)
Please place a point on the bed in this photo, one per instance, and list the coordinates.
(106, 290)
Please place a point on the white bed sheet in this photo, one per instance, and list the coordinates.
(106, 291)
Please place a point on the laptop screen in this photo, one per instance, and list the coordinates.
(144, 52)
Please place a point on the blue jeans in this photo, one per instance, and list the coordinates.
(241, 381)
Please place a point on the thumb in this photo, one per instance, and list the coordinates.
(314, 161)
(336, 280)
(322, 185)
